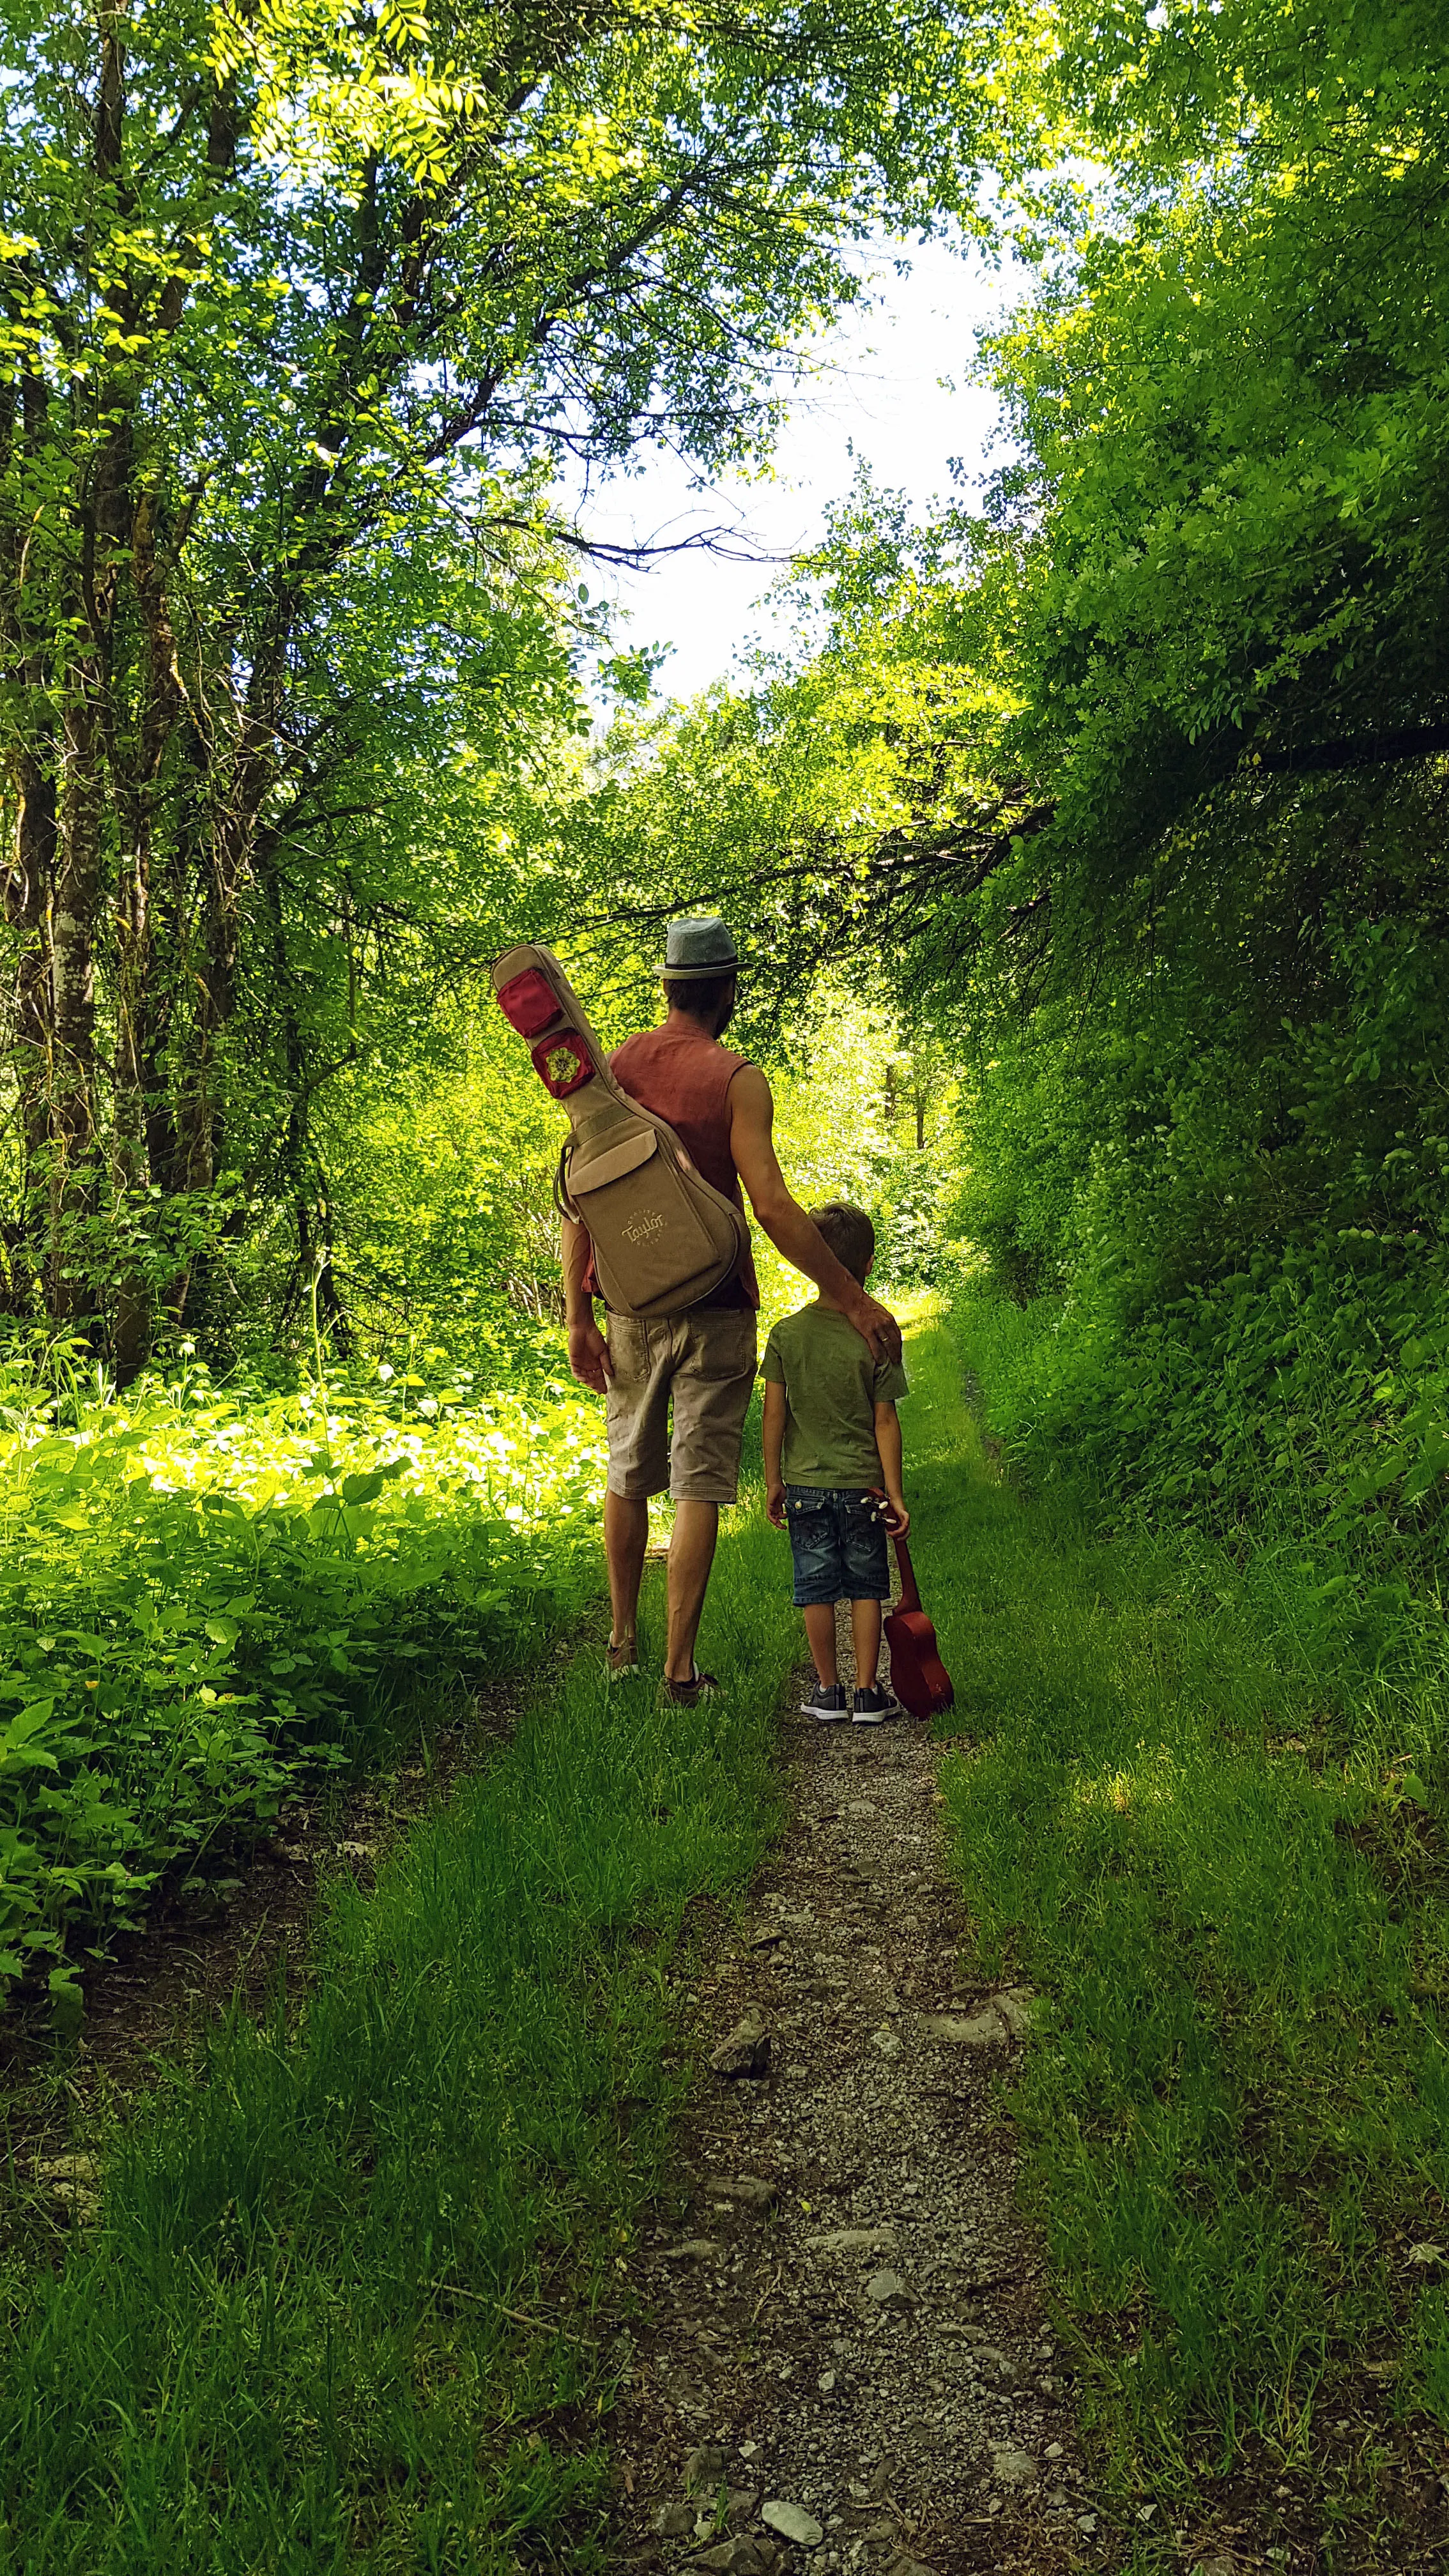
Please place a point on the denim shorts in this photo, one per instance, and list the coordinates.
(837, 1537)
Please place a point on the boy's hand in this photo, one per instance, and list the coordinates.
(775, 1506)
(897, 1518)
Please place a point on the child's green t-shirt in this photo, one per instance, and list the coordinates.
(832, 1387)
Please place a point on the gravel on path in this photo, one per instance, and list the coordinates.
(847, 2363)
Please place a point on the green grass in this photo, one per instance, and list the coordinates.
(336, 2310)
(1222, 1861)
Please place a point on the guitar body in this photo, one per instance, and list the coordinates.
(918, 1677)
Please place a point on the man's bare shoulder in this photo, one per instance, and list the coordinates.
(750, 1095)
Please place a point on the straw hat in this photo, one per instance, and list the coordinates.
(694, 949)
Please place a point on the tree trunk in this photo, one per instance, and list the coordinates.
(29, 883)
(131, 1325)
(142, 1113)
(73, 985)
(88, 719)
(28, 894)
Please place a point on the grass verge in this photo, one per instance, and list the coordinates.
(335, 2306)
(1216, 1859)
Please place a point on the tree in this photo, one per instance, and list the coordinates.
(284, 294)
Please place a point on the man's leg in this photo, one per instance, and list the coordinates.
(638, 1417)
(714, 1370)
(691, 1554)
(819, 1619)
(865, 1636)
(626, 1535)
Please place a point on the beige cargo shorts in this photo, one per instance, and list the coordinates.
(703, 1362)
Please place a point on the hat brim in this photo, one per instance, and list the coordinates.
(699, 974)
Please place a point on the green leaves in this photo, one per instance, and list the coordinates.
(298, 335)
(223, 1639)
(22, 1744)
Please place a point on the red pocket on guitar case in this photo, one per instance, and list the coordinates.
(528, 1002)
(562, 1063)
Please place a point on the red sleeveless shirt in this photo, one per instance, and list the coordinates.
(684, 1076)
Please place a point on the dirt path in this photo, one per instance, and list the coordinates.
(849, 2365)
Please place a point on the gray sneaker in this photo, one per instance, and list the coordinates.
(872, 1707)
(825, 1701)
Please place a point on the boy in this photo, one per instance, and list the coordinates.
(832, 1435)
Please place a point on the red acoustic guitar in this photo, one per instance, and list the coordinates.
(918, 1677)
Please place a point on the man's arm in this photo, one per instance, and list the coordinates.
(588, 1351)
(752, 1121)
(773, 1433)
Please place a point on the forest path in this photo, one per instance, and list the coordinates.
(847, 2312)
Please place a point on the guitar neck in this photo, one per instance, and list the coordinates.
(910, 1597)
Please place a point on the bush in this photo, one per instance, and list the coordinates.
(1232, 1245)
(205, 1592)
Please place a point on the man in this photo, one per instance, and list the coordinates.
(703, 1358)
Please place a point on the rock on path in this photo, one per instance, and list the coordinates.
(847, 2365)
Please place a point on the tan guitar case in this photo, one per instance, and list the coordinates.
(662, 1237)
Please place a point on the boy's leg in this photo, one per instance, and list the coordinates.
(865, 1636)
(814, 1546)
(863, 1550)
(819, 1617)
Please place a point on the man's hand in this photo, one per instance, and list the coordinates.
(589, 1356)
(588, 1351)
(877, 1326)
(897, 1518)
(775, 1506)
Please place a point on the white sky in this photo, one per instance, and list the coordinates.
(874, 386)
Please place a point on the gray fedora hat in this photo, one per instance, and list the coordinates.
(694, 949)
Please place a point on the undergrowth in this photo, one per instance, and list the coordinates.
(343, 2302)
(1210, 1170)
(1219, 1851)
(206, 1591)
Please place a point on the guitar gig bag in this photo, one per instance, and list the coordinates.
(662, 1237)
